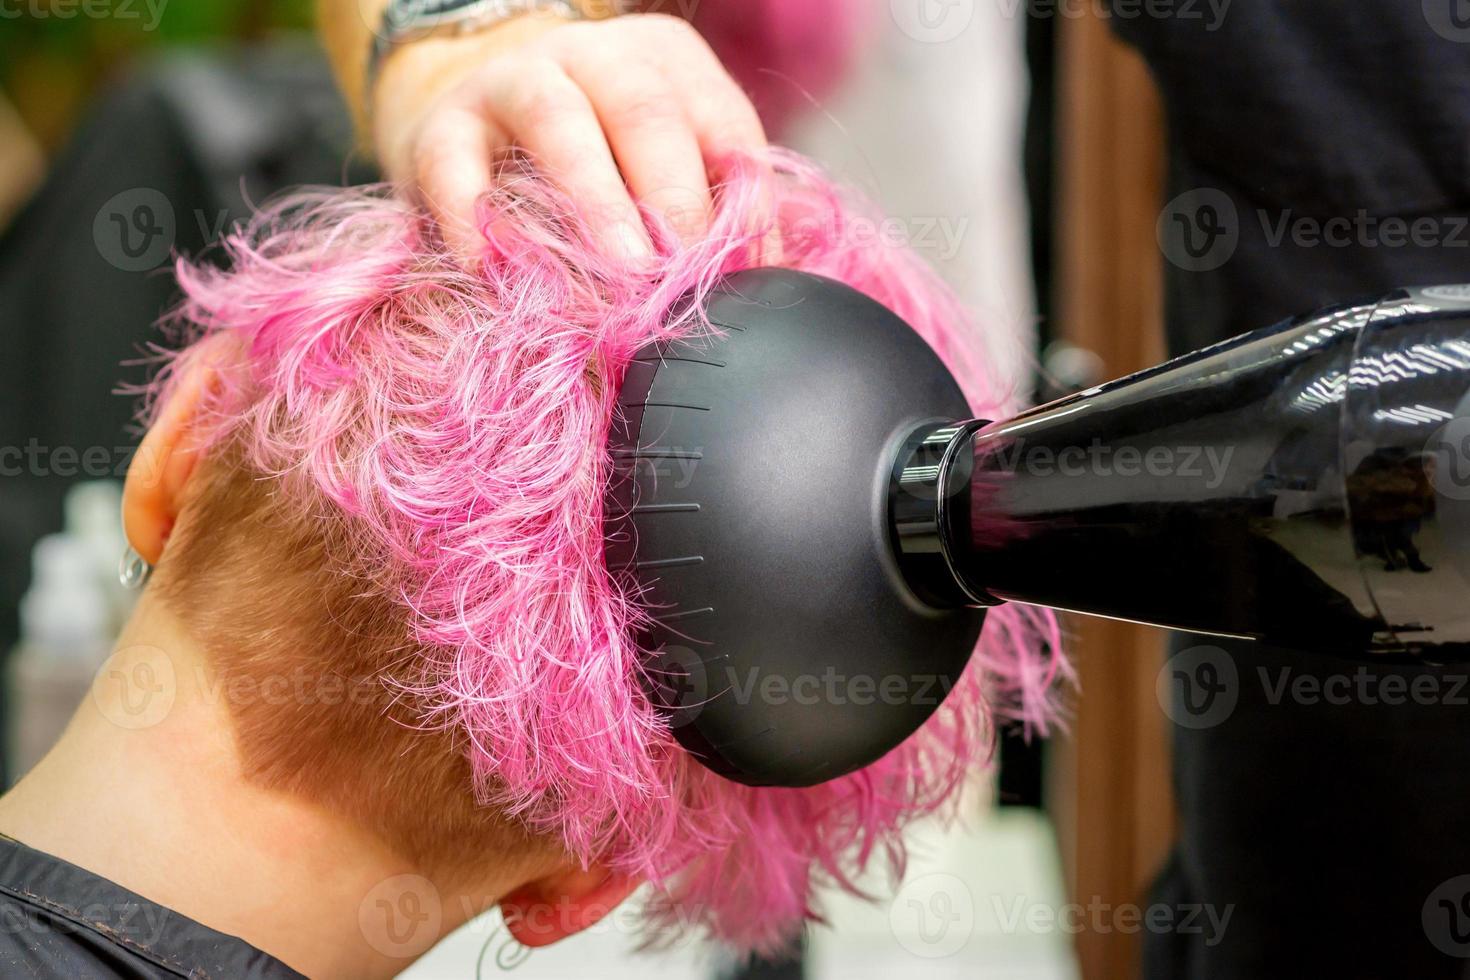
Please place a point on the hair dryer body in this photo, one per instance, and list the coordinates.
(1307, 484)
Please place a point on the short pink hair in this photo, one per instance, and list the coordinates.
(450, 425)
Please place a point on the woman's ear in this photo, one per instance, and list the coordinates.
(154, 489)
(563, 903)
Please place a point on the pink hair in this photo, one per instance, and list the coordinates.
(456, 421)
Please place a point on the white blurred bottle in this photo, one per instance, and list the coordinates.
(94, 517)
(68, 619)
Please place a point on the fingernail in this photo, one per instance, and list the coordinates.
(632, 242)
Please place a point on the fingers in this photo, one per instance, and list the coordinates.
(655, 146)
(635, 110)
(548, 114)
(452, 164)
(723, 118)
(725, 123)
(673, 118)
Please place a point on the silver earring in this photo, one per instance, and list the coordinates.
(132, 570)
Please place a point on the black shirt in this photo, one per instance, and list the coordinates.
(58, 920)
(1329, 814)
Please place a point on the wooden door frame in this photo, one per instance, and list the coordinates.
(1109, 785)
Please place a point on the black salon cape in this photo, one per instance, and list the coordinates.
(57, 920)
(1332, 832)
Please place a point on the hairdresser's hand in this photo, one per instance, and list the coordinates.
(632, 109)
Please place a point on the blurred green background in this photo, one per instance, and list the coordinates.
(55, 54)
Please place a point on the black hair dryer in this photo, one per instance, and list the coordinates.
(808, 516)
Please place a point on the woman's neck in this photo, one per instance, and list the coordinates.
(146, 789)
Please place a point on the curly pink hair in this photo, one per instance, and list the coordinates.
(449, 424)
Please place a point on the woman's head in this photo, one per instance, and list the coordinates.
(385, 468)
